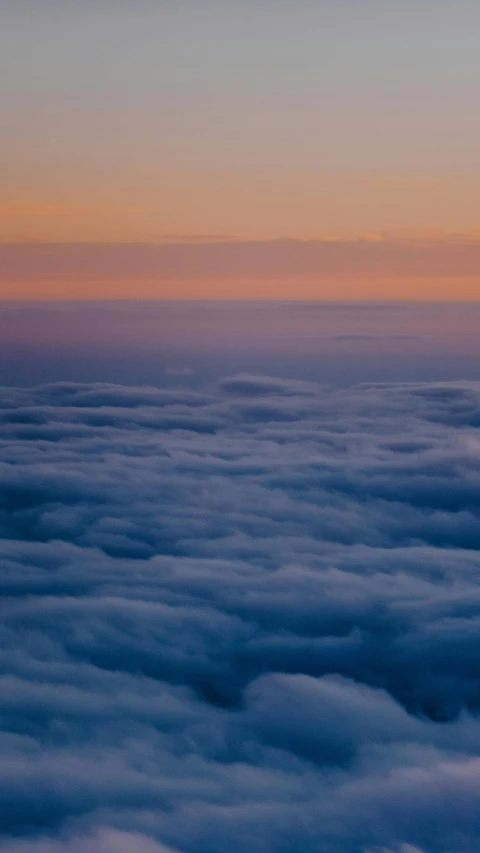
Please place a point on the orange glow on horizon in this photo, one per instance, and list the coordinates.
(333, 288)
(245, 205)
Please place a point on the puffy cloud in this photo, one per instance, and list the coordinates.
(106, 841)
(240, 618)
(245, 385)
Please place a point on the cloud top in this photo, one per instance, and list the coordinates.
(240, 618)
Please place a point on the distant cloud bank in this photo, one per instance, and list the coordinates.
(243, 618)
(201, 257)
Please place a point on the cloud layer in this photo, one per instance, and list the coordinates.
(242, 618)
(197, 259)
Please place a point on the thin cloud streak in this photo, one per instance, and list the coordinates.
(197, 259)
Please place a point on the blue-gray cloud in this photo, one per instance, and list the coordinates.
(240, 618)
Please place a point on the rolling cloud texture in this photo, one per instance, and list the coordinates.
(240, 619)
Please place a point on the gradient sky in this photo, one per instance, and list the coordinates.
(241, 122)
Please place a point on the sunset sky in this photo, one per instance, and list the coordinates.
(227, 149)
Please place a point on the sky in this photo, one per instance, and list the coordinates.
(229, 134)
(196, 343)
